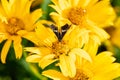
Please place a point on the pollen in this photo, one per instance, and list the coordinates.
(76, 15)
(80, 75)
(13, 25)
(59, 48)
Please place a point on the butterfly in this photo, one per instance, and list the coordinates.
(59, 33)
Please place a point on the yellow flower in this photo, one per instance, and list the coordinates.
(114, 32)
(50, 49)
(117, 23)
(101, 68)
(16, 22)
(115, 36)
(77, 11)
(89, 14)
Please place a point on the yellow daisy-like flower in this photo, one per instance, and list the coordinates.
(50, 49)
(114, 32)
(115, 36)
(89, 14)
(101, 68)
(78, 11)
(16, 22)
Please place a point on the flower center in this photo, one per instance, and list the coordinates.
(80, 75)
(76, 15)
(59, 48)
(14, 25)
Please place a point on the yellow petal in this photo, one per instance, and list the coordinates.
(27, 7)
(76, 40)
(17, 46)
(67, 65)
(45, 50)
(2, 37)
(31, 36)
(92, 46)
(47, 60)
(74, 2)
(106, 58)
(114, 73)
(48, 36)
(91, 3)
(14, 8)
(108, 69)
(6, 6)
(108, 72)
(55, 75)
(56, 6)
(117, 23)
(22, 5)
(83, 3)
(102, 34)
(33, 58)
(5, 50)
(63, 4)
(95, 39)
(35, 15)
(32, 50)
(2, 13)
(104, 10)
(81, 53)
(19, 8)
(42, 51)
(59, 21)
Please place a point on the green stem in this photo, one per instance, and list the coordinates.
(31, 68)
